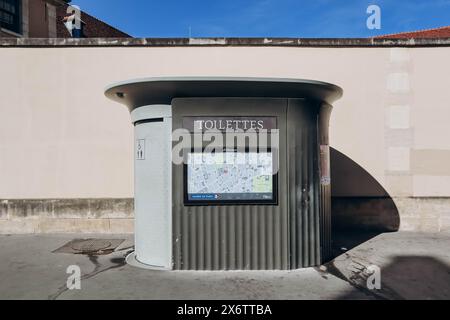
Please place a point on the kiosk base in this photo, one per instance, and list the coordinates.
(133, 261)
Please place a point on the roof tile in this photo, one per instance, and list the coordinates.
(443, 32)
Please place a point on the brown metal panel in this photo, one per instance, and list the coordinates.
(294, 233)
(247, 239)
(216, 230)
(222, 237)
(306, 200)
(192, 251)
(278, 234)
(254, 240)
(223, 243)
(302, 159)
(231, 239)
(208, 239)
(200, 243)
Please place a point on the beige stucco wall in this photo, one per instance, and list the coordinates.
(61, 138)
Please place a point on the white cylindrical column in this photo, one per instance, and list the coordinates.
(153, 185)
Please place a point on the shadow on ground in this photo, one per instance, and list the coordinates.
(361, 208)
(403, 278)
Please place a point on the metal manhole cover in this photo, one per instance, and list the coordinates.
(90, 246)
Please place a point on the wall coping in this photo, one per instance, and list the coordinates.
(202, 42)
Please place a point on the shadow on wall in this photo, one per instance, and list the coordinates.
(361, 207)
(403, 277)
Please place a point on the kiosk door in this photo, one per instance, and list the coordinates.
(153, 182)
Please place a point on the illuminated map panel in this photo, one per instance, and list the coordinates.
(230, 176)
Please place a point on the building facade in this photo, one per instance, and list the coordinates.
(43, 19)
(66, 152)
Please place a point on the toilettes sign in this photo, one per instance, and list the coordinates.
(221, 124)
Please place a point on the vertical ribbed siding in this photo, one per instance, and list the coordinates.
(230, 238)
(325, 225)
(293, 234)
(304, 191)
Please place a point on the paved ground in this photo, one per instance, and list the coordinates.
(413, 266)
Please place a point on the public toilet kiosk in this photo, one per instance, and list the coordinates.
(230, 173)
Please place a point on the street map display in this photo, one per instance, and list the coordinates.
(230, 176)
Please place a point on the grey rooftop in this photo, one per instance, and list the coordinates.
(161, 90)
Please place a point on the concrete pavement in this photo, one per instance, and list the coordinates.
(413, 266)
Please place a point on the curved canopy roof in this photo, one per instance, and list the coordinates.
(161, 90)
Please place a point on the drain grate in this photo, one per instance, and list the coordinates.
(90, 246)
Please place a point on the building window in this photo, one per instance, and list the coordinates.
(10, 15)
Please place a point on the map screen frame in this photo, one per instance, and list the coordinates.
(226, 198)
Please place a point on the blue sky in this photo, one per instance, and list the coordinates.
(265, 18)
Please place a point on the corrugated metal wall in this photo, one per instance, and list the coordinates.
(304, 184)
(230, 237)
(233, 236)
(325, 224)
(284, 236)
